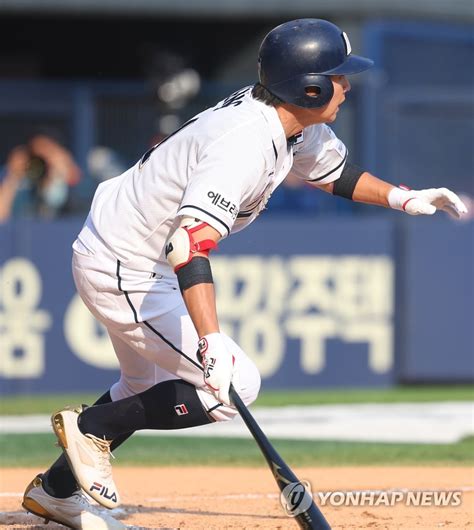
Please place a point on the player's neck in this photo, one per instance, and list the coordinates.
(294, 119)
(290, 123)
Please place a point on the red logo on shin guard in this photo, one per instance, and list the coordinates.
(181, 410)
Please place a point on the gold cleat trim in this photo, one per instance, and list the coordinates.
(33, 484)
(30, 505)
(58, 428)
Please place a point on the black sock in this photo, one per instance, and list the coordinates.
(169, 405)
(58, 480)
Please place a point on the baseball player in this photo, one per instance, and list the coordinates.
(142, 260)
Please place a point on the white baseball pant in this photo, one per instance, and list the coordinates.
(150, 329)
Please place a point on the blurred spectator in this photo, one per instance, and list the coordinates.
(36, 180)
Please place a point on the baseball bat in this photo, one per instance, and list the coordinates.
(299, 502)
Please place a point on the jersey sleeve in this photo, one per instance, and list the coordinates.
(321, 157)
(223, 174)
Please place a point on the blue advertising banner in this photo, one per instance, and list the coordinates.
(40, 350)
(437, 308)
(312, 302)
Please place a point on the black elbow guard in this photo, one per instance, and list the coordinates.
(344, 186)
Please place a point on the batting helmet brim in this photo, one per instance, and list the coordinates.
(352, 65)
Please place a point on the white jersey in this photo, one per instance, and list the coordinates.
(220, 167)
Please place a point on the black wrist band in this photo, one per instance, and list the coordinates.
(198, 270)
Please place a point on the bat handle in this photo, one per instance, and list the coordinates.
(235, 398)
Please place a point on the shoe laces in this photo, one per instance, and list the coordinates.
(85, 503)
(81, 498)
(104, 454)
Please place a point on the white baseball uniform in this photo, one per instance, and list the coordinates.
(220, 167)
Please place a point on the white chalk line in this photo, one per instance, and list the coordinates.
(422, 423)
(464, 489)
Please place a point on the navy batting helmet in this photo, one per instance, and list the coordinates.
(297, 58)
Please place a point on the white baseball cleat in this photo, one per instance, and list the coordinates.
(88, 457)
(74, 511)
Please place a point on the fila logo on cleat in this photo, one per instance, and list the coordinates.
(181, 410)
(103, 491)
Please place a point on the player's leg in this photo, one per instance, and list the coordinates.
(58, 480)
(170, 341)
(152, 399)
(74, 511)
(171, 404)
(147, 313)
(55, 494)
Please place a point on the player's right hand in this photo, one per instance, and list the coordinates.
(426, 202)
(218, 364)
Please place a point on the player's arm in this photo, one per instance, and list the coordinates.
(187, 251)
(361, 186)
(199, 296)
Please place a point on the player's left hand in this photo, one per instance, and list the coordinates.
(427, 202)
(218, 363)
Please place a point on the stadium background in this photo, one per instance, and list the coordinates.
(376, 308)
(389, 296)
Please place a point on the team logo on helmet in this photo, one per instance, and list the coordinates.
(347, 43)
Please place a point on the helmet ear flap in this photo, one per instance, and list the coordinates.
(310, 91)
(318, 91)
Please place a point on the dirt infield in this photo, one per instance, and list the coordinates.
(244, 498)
